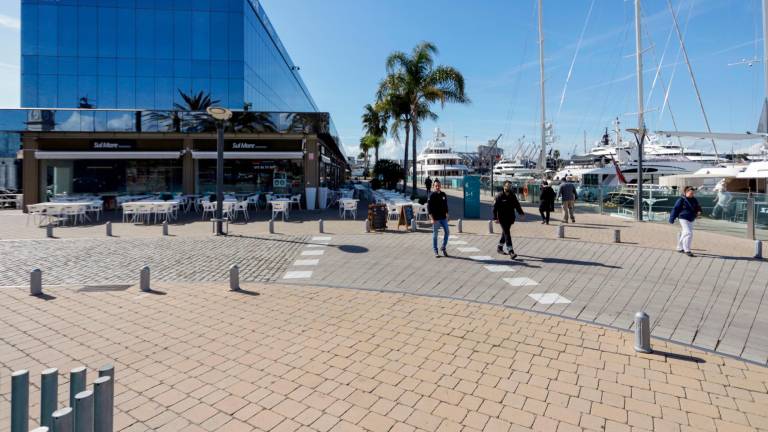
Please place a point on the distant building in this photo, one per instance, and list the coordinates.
(487, 156)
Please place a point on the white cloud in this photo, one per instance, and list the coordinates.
(390, 149)
(9, 22)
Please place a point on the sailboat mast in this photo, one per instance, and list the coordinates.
(640, 114)
(765, 48)
(542, 165)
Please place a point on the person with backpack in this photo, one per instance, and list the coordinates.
(547, 201)
(686, 209)
(504, 207)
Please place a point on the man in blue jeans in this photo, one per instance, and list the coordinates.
(437, 206)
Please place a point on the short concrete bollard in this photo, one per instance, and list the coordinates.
(320, 227)
(36, 282)
(49, 385)
(84, 411)
(758, 249)
(144, 279)
(63, 420)
(107, 370)
(49, 231)
(642, 333)
(103, 404)
(367, 226)
(76, 383)
(271, 226)
(234, 278)
(414, 226)
(460, 226)
(108, 226)
(561, 231)
(490, 227)
(165, 228)
(617, 236)
(20, 401)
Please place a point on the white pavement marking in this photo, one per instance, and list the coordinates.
(549, 298)
(499, 268)
(313, 252)
(468, 249)
(481, 258)
(309, 262)
(316, 246)
(456, 242)
(520, 281)
(298, 275)
(321, 238)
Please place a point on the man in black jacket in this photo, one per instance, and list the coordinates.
(437, 206)
(504, 208)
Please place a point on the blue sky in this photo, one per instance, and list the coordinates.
(341, 46)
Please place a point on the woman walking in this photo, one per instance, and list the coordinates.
(687, 209)
(547, 201)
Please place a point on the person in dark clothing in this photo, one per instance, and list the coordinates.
(568, 193)
(504, 207)
(686, 209)
(437, 207)
(428, 185)
(547, 201)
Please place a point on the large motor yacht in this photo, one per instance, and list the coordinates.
(437, 160)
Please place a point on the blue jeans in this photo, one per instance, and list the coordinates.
(436, 228)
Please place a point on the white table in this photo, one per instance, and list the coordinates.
(49, 210)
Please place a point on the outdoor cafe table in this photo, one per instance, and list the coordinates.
(54, 208)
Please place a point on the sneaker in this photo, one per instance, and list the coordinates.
(512, 255)
(690, 254)
(437, 255)
(680, 251)
(500, 249)
(573, 220)
(543, 222)
(445, 252)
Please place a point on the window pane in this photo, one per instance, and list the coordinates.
(29, 43)
(29, 90)
(46, 34)
(48, 65)
(67, 36)
(68, 91)
(145, 33)
(107, 32)
(48, 91)
(107, 91)
(86, 43)
(68, 65)
(182, 29)
(126, 30)
(126, 92)
(163, 34)
(88, 87)
(145, 93)
(201, 35)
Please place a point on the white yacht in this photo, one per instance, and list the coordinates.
(437, 160)
(514, 168)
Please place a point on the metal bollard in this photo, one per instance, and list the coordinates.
(320, 226)
(617, 236)
(460, 227)
(49, 230)
(414, 226)
(109, 229)
(144, 279)
(271, 226)
(103, 399)
(84, 411)
(561, 231)
(36, 282)
(49, 386)
(63, 420)
(758, 249)
(234, 278)
(40, 429)
(367, 226)
(490, 227)
(165, 228)
(76, 383)
(20, 401)
(642, 333)
(107, 370)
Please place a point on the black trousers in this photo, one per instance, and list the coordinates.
(544, 214)
(506, 236)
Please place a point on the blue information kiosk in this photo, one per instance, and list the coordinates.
(471, 197)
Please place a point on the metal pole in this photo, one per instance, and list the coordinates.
(640, 113)
(219, 176)
(20, 401)
(234, 278)
(49, 385)
(542, 156)
(36, 282)
(103, 399)
(63, 420)
(751, 217)
(107, 370)
(84, 411)
(642, 333)
(144, 279)
(765, 48)
(76, 383)
(109, 229)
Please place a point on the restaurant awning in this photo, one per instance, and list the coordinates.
(249, 155)
(69, 155)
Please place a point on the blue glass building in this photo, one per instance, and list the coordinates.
(140, 54)
(103, 86)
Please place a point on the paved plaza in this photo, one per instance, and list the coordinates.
(356, 330)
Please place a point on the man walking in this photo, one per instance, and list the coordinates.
(437, 206)
(568, 193)
(428, 185)
(504, 207)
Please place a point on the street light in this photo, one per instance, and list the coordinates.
(221, 115)
(639, 138)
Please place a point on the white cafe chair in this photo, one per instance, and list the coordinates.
(129, 213)
(209, 207)
(296, 199)
(392, 212)
(279, 207)
(422, 213)
(253, 201)
(350, 207)
(240, 207)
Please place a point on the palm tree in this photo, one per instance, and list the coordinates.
(423, 84)
(393, 100)
(375, 121)
(366, 144)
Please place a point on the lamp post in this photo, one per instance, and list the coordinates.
(639, 138)
(221, 115)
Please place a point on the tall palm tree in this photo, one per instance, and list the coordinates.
(366, 144)
(393, 100)
(424, 84)
(375, 119)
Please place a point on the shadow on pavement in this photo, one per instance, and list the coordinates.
(570, 261)
(676, 356)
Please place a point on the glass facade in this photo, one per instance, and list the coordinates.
(109, 176)
(140, 54)
(251, 176)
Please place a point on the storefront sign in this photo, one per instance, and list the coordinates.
(113, 145)
(243, 146)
